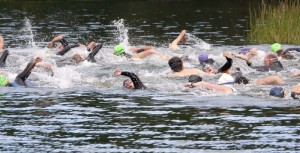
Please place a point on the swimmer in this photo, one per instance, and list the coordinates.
(133, 83)
(271, 63)
(225, 82)
(138, 53)
(21, 78)
(3, 58)
(216, 87)
(193, 79)
(64, 46)
(207, 64)
(284, 54)
(281, 92)
(203, 59)
(246, 54)
(176, 66)
(269, 80)
(180, 38)
(91, 57)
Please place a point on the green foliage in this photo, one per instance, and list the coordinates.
(275, 22)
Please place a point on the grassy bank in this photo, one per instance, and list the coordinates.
(275, 22)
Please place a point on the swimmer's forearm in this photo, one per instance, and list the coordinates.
(26, 72)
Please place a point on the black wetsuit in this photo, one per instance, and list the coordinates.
(64, 42)
(135, 79)
(291, 49)
(20, 79)
(3, 58)
(127, 55)
(91, 56)
(226, 66)
(209, 61)
(67, 47)
(275, 66)
(295, 95)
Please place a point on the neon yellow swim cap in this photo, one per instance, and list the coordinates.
(119, 49)
(3, 80)
(275, 47)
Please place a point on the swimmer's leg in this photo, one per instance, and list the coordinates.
(91, 57)
(3, 58)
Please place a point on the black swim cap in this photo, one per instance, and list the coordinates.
(195, 78)
(295, 95)
(175, 64)
(277, 92)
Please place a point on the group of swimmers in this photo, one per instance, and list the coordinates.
(208, 66)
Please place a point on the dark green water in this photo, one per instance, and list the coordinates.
(149, 22)
(103, 117)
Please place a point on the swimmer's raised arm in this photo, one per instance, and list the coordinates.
(1, 44)
(135, 83)
(180, 38)
(3, 58)
(21, 77)
(56, 39)
(228, 63)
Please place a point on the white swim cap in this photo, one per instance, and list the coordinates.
(226, 79)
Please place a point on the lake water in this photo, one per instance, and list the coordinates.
(84, 108)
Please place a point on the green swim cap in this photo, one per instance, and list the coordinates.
(275, 47)
(119, 49)
(3, 80)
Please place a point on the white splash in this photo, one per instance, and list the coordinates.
(27, 31)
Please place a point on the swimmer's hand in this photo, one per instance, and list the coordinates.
(117, 72)
(189, 85)
(37, 59)
(227, 54)
(50, 45)
(45, 65)
(295, 74)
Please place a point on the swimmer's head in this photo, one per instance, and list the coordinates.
(175, 64)
(226, 79)
(195, 78)
(284, 55)
(240, 79)
(270, 58)
(207, 68)
(275, 47)
(202, 57)
(277, 92)
(77, 58)
(119, 50)
(128, 84)
(3, 80)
